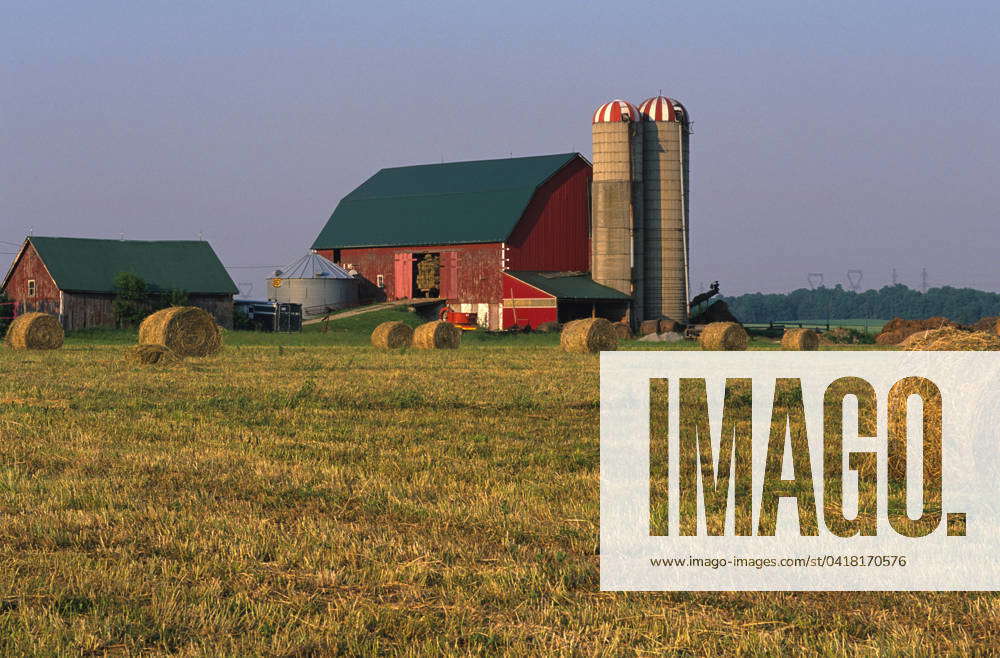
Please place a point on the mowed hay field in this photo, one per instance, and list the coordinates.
(328, 497)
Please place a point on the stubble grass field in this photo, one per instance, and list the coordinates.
(308, 495)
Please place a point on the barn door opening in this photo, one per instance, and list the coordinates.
(427, 274)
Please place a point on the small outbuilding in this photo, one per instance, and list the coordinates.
(533, 298)
(319, 285)
(74, 278)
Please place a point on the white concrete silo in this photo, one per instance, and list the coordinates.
(617, 201)
(666, 135)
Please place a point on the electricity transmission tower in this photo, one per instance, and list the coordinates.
(815, 279)
(854, 279)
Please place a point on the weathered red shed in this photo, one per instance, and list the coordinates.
(473, 221)
(74, 278)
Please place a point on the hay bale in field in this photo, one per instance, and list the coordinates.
(890, 337)
(728, 336)
(437, 335)
(186, 330)
(951, 339)
(549, 327)
(34, 331)
(800, 339)
(622, 330)
(647, 327)
(392, 335)
(988, 324)
(669, 326)
(913, 338)
(588, 336)
(150, 354)
(897, 329)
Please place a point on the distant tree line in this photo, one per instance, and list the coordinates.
(964, 305)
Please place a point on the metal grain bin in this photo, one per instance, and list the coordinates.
(319, 285)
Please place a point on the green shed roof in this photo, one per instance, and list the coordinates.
(449, 203)
(88, 265)
(569, 285)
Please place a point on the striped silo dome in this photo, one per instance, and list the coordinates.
(661, 108)
(616, 111)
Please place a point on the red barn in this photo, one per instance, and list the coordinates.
(74, 278)
(510, 238)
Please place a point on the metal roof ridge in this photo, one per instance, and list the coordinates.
(348, 198)
(466, 162)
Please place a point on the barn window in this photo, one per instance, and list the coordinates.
(380, 281)
(31, 287)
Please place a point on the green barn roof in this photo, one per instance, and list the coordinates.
(569, 285)
(450, 203)
(89, 265)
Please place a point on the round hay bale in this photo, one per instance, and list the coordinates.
(438, 335)
(186, 330)
(34, 331)
(588, 336)
(647, 327)
(669, 326)
(150, 354)
(728, 336)
(392, 335)
(622, 330)
(800, 339)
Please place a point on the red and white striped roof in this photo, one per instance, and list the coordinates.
(615, 111)
(661, 108)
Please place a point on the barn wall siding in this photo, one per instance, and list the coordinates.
(86, 309)
(30, 266)
(554, 234)
(478, 268)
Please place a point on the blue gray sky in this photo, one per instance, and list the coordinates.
(828, 136)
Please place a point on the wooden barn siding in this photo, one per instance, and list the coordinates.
(88, 309)
(479, 268)
(554, 232)
(82, 310)
(30, 266)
